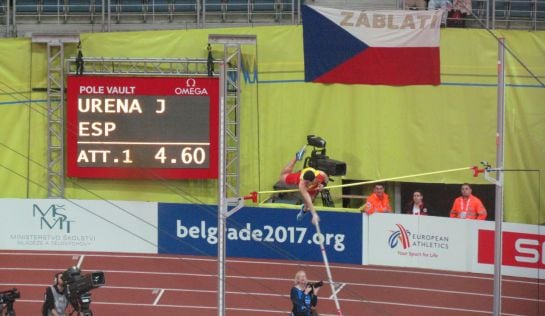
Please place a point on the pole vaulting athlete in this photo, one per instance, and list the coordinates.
(309, 181)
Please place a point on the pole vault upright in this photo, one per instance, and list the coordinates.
(229, 143)
(498, 240)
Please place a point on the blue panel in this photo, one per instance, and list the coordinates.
(27, 6)
(237, 5)
(541, 10)
(264, 5)
(131, 5)
(212, 5)
(79, 6)
(184, 6)
(287, 5)
(97, 6)
(259, 233)
(521, 9)
(160, 6)
(53, 6)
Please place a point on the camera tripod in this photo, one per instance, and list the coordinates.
(326, 198)
(81, 304)
(9, 309)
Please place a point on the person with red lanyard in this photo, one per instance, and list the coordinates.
(309, 181)
(378, 201)
(468, 206)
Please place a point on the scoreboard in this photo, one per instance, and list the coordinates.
(142, 127)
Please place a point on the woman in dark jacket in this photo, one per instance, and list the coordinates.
(416, 206)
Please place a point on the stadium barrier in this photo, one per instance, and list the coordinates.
(270, 233)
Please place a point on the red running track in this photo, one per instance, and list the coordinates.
(181, 285)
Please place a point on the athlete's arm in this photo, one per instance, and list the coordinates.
(308, 201)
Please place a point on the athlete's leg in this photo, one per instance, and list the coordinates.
(287, 170)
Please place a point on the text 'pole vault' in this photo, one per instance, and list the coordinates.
(142, 127)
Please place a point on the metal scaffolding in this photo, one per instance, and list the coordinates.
(187, 67)
(229, 143)
(55, 109)
(141, 66)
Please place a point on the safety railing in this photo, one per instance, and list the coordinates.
(106, 15)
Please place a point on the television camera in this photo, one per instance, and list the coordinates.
(320, 161)
(78, 287)
(8, 298)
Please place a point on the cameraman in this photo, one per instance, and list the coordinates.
(303, 296)
(56, 300)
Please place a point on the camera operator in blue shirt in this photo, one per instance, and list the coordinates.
(303, 295)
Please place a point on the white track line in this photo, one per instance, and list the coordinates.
(158, 296)
(283, 280)
(257, 311)
(358, 268)
(461, 275)
(426, 306)
(270, 294)
(281, 311)
(80, 261)
(338, 290)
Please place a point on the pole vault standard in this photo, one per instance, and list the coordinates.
(499, 178)
(232, 42)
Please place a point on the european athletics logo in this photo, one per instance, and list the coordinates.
(401, 235)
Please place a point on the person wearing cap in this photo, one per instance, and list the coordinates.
(309, 182)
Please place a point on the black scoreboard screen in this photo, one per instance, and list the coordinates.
(142, 127)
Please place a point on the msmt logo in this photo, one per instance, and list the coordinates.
(400, 236)
(52, 218)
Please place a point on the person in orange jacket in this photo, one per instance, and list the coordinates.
(378, 201)
(468, 206)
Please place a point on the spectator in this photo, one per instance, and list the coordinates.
(441, 4)
(463, 6)
(414, 4)
(309, 181)
(304, 296)
(56, 301)
(416, 206)
(278, 8)
(224, 4)
(377, 202)
(468, 206)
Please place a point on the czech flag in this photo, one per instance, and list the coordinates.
(387, 47)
